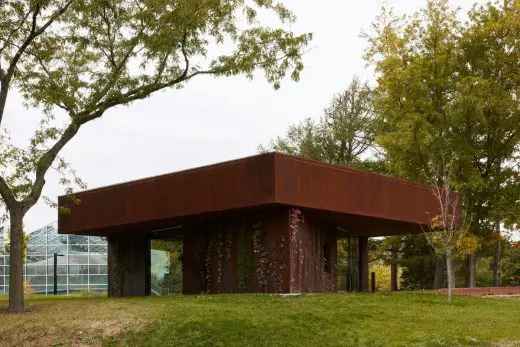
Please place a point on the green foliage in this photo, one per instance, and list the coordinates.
(510, 264)
(419, 262)
(344, 135)
(172, 266)
(448, 88)
(383, 275)
(85, 57)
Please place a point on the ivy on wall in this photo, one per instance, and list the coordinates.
(245, 264)
(295, 219)
(261, 259)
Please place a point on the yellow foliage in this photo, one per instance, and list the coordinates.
(27, 289)
(383, 276)
(468, 244)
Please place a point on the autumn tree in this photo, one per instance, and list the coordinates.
(75, 60)
(444, 86)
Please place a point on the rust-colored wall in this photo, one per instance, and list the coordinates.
(284, 248)
(128, 265)
(307, 259)
(320, 186)
(374, 204)
(246, 252)
(236, 184)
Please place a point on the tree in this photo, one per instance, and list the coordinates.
(487, 118)
(344, 135)
(447, 228)
(444, 86)
(74, 60)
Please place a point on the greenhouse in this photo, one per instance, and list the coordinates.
(81, 262)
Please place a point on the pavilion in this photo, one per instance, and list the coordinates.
(267, 223)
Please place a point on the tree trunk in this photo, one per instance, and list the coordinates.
(438, 280)
(16, 303)
(449, 269)
(471, 281)
(496, 263)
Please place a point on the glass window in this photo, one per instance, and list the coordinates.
(78, 279)
(78, 269)
(62, 269)
(31, 259)
(57, 248)
(78, 287)
(98, 259)
(97, 240)
(78, 240)
(36, 249)
(78, 248)
(36, 280)
(98, 279)
(78, 259)
(98, 248)
(36, 270)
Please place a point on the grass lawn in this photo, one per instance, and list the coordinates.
(384, 319)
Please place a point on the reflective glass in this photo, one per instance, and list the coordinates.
(83, 265)
(78, 248)
(78, 240)
(98, 248)
(98, 259)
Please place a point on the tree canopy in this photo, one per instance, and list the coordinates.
(74, 60)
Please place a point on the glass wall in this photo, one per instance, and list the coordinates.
(81, 263)
(165, 267)
(347, 266)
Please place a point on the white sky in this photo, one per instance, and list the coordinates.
(212, 120)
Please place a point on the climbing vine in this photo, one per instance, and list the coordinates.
(279, 266)
(295, 219)
(262, 262)
(207, 265)
(220, 255)
(119, 268)
(245, 265)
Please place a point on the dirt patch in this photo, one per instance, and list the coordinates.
(484, 291)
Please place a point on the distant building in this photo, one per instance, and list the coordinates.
(82, 264)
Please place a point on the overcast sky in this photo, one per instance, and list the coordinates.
(212, 120)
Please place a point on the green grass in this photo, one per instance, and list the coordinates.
(391, 319)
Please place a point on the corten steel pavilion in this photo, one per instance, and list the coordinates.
(267, 223)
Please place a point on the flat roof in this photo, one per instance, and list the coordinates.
(262, 180)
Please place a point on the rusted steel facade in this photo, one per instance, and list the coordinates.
(285, 212)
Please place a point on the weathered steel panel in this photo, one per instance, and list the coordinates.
(128, 265)
(379, 202)
(246, 252)
(313, 270)
(221, 187)
(316, 185)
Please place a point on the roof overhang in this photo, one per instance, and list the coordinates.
(350, 196)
